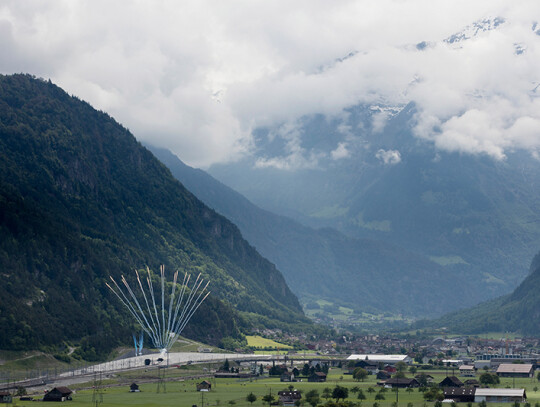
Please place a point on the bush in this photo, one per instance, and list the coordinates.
(62, 357)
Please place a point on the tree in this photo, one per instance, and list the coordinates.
(360, 373)
(340, 392)
(225, 366)
(422, 379)
(327, 393)
(312, 397)
(361, 395)
(401, 366)
(412, 369)
(355, 389)
(305, 369)
(434, 393)
(269, 398)
(489, 378)
(379, 396)
(251, 398)
(370, 390)
(538, 376)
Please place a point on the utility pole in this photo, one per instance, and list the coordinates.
(97, 395)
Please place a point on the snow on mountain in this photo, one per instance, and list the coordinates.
(475, 29)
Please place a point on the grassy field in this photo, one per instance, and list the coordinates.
(260, 342)
(232, 392)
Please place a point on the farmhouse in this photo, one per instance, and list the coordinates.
(134, 388)
(424, 379)
(383, 375)
(205, 385)
(58, 394)
(515, 370)
(451, 381)
(287, 398)
(317, 377)
(500, 395)
(459, 394)
(287, 377)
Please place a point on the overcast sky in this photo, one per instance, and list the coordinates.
(199, 76)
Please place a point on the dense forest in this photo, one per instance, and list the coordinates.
(80, 200)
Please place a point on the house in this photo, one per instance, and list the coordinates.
(134, 388)
(288, 398)
(383, 375)
(515, 370)
(459, 394)
(466, 370)
(287, 377)
(500, 395)
(5, 397)
(451, 381)
(317, 377)
(402, 382)
(61, 393)
(424, 379)
(205, 385)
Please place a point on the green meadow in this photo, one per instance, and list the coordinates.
(180, 391)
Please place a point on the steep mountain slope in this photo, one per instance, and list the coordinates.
(471, 214)
(361, 273)
(516, 312)
(80, 200)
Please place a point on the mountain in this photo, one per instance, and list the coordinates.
(475, 216)
(516, 312)
(82, 200)
(363, 274)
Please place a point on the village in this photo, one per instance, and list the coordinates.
(351, 371)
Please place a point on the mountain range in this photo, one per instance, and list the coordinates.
(82, 200)
(472, 215)
(326, 264)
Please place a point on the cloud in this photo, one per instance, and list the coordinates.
(340, 152)
(389, 157)
(200, 76)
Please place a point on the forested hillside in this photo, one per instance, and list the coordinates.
(326, 264)
(81, 199)
(516, 312)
